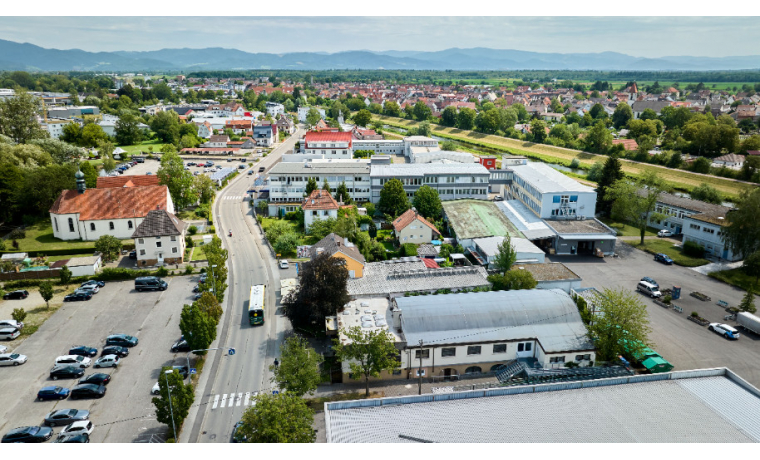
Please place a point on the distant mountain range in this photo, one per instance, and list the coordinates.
(25, 56)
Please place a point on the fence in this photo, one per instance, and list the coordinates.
(30, 275)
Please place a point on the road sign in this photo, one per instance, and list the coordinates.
(275, 392)
(231, 351)
(193, 370)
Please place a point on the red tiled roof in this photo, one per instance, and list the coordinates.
(326, 136)
(123, 181)
(111, 203)
(320, 199)
(628, 144)
(430, 263)
(408, 217)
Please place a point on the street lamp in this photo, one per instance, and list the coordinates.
(171, 410)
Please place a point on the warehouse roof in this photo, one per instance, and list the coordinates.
(477, 218)
(548, 315)
(428, 169)
(553, 271)
(547, 179)
(318, 167)
(524, 220)
(697, 406)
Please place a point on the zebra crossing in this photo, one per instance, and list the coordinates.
(235, 197)
(234, 400)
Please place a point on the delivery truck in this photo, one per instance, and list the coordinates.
(748, 321)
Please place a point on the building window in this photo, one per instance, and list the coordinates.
(473, 370)
(526, 346)
(557, 359)
(419, 373)
(448, 352)
(158, 244)
(583, 357)
(142, 252)
(500, 348)
(425, 354)
(473, 350)
(173, 238)
(110, 225)
(141, 241)
(92, 226)
(55, 221)
(129, 224)
(174, 250)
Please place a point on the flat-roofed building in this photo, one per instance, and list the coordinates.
(452, 181)
(549, 193)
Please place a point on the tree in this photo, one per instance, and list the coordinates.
(742, 234)
(65, 275)
(313, 117)
(198, 327)
(46, 291)
(127, 129)
(488, 121)
(622, 322)
(595, 173)
(421, 111)
(748, 301)
(279, 418)
(90, 174)
(423, 129)
(311, 185)
(208, 304)
(538, 131)
(701, 165)
(598, 139)
(612, 171)
(326, 185)
(368, 353)
(204, 187)
(18, 118)
(513, 280)
(648, 114)
(391, 109)
(216, 256)
(18, 314)
(449, 116)
(72, 133)
(287, 243)
(466, 118)
(634, 202)
(341, 194)
(92, 135)
(298, 371)
(750, 167)
(427, 202)
(182, 397)
(505, 255)
(322, 291)
(42, 186)
(393, 199)
(109, 246)
(166, 126)
(180, 182)
(363, 117)
(322, 227)
(705, 192)
(60, 151)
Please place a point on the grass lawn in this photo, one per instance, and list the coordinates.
(198, 254)
(627, 230)
(39, 237)
(666, 247)
(143, 147)
(735, 277)
(319, 403)
(36, 316)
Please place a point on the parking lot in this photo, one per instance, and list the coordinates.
(126, 413)
(683, 343)
(151, 166)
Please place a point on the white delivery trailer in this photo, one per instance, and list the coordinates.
(748, 321)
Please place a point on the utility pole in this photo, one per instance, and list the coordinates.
(419, 372)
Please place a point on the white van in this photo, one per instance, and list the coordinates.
(648, 289)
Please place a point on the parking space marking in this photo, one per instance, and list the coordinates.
(216, 401)
(247, 398)
(239, 399)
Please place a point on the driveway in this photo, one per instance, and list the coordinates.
(126, 413)
(684, 343)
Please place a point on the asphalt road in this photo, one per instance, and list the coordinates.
(126, 413)
(232, 381)
(683, 343)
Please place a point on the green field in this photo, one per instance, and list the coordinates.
(667, 247)
(39, 237)
(735, 277)
(143, 147)
(627, 230)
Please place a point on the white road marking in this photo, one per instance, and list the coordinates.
(216, 401)
(232, 399)
(247, 397)
(224, 399)
(239, 399)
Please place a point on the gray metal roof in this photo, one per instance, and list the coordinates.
(222, 174)
(580, 227)
(314, 168)
(490, 245)
(699, 406)
(429, 169)
(548, 315)
(527, 223)
(547, 179)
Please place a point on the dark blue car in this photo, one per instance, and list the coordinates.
(660, 257)
(82, 350)
(52, 392)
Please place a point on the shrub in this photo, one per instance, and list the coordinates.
(19, 314)
(189, 243)
(667, 299)
(211, 229)
(575, 164)
(690, 248)
(694, 314)
(115, 274)
(409, 249)
(291, 215)
(192, 230)
(162, 271)
(188, 269)
(17, 234)
(15, 244)
(2, 245)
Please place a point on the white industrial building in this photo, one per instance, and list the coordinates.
(549, 193)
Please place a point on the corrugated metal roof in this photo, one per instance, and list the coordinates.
(411, 275)
(314, 168)
(527, 223)
(429, 169)
(547, 179)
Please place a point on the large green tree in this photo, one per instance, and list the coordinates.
(298, 370)
(449, 116)
(598, 138)
(46, 291)
(341, 194)
(93, 135)
(391, 109)
(742, 234)
(42, 186)
(512, 280)
(279, 418)
(621, 322)
(622, 115)
(635, 202)
(322, 291)
(197, 326)
(311, 185)
(166, 126)
(705, 192)
(180, 182)
(90, 174)
(217, 265)
(427, 202)
(368, 353)
(18, 117)
(466, 118)
(313, 117)
(205, 188)
(393, 199)
(421, 111)
(127, 130)
(172, 414)
(505, 255)
(538, 131)
(611, 172)
(363, 117)
(109, 246)
(60, 151)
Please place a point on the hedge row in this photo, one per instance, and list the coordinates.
(107, 274)
(64, 252)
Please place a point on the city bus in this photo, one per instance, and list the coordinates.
(256, 305)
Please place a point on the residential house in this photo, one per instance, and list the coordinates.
(328, 144)
(160, 239)
(320, 205)
(285, 125)
(731, 160)
(628, 144)
(239, 126)
(217, 141)
(265, 134)
(273, 109)
(638, 107)
(205, 130)
(411, 227)
(336, 246)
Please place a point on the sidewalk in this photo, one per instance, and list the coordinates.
(716, 266)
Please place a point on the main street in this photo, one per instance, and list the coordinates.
(231, 382)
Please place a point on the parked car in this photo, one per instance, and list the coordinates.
(75, 360)
(78, 427)
(133, 254)
(88, 390)
(237, 436)
(229, 160)
(651, 281)
(284, 264)
(660, 257)
(3, 349)
(88, 288)
(73, 438)
(725, 330)
(115, 350)
(122, 340)
(156, 389)
(13, 295)
(107, 361)
(9, 333)
(262, 169)
(202, 278)
(12, 323)
(52, 392)
(97, 379)
(99, 284)
(66, 371)
(77, 296)
(648, 289)
(250, 172)
(82, 350)
(180, 346)
(12, 359)
(28, 434)
(150, 283)
(241, 166)
(66, 416)
(664, 233)
(498, 198)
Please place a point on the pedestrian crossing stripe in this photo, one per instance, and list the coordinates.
(234, 399)
(236, 197)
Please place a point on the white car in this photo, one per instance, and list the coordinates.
(11, 323)
(12, 359)
(9, 333)
(663, 233)
(107, 361)
(725, 330)
(91, 288)
(156, 389)
(3, 349)
(78, 427)
(284, 264)
(75, 360)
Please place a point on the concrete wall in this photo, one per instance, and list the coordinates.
(565, 285)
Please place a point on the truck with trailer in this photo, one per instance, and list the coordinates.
(748, 321)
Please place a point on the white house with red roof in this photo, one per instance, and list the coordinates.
(329, 144)
(319, 205)
(87, 215)
(411, 227)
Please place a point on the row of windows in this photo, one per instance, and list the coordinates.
(174, 251)
(318, 179)
(564, 199)
(668, 211)
(72, 228)
(471, 350)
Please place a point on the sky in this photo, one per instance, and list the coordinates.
(637, 36)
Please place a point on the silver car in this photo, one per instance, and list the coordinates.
(107, 361)
(12, 359)
(75, 360)
(66, 416)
